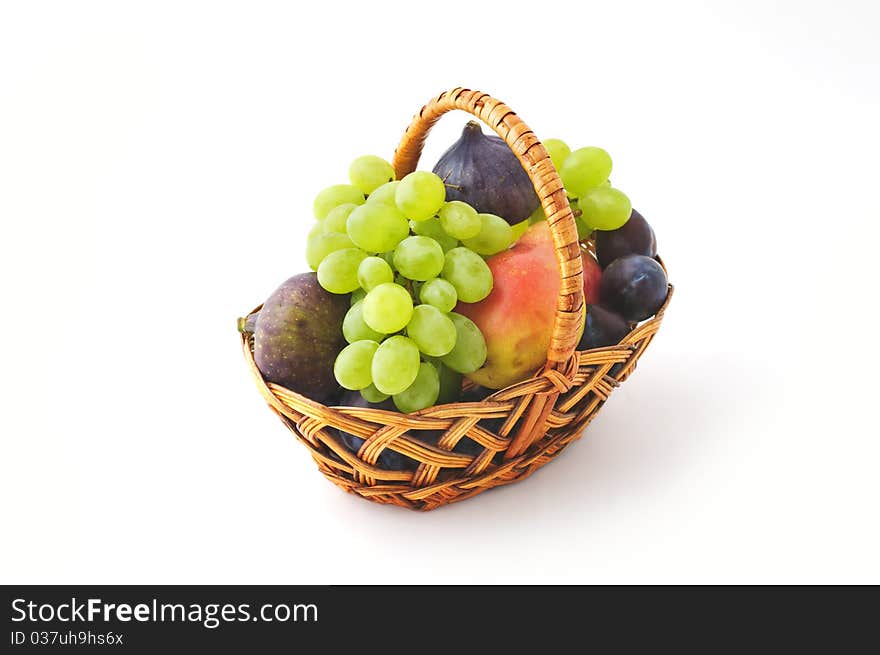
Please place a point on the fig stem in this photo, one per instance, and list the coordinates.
(242, 324)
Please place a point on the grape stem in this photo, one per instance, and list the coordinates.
(451, 186)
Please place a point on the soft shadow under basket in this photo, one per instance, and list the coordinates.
(518, 429)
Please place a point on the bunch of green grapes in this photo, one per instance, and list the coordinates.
(407, 257)
(584, 174)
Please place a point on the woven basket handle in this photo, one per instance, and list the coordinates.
(536, 162)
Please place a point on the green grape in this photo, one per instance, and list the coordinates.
(459, 220)
(421, 393)
(420, 195)
(388, 257)
(356, 296)
(387, 308)
(395, 364)
(384, 194)
(372, 395)
(374, 271)
(537, 216)
(469, 352)
(418, 258)
(354, 328)
(321, 245)
(584, 230)
(337, 218)
(317, 228)
(377, 227)
(439, 293)
(333, 196)
(605, 208)
(353, 367)
(468, 273)
(432, 228)
(558, 151)
(495, 235)
(519, 229)
(337, 272)
(432, 331)
(369, 172)
(450, 384)
(584, 169)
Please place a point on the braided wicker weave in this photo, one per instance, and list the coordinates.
(532, 420)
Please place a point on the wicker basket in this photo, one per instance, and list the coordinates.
(519, 428)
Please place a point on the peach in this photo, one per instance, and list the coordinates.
(516, 318)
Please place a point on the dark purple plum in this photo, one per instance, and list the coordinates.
(465, 445)
(602, 327)
(482, 171)
(389, 460)
(475, 394)
(635, 238)
(635, 286)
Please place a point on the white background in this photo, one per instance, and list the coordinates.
(157, 168)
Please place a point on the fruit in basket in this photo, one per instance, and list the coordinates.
(369, 172)
(377, 227)
(354, 328)
(439, 293)
(459, 220)
(482, 171)
(432, 331)
(592, 277)
(374, 271)
(469, 352)
(450, 384)
(333, 196)
(338, 271)
(319, 245)
(635, 286)
(635, 238)
(433, 228)
(418, 258)
(385, 194)
(602, 327)
(604, 208)
(353, 366)
(518, 315)
(519, 229)
(558, 151)
(337, 219)
(468, 273)
(389, 460)
(494, 236)
(298, 335)
(385, 253)
(387, 308)
(395, 364)
(422, 392)
(584, 169)
(420, 195)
